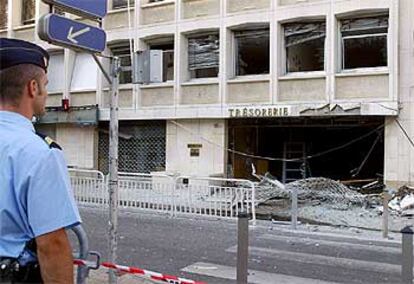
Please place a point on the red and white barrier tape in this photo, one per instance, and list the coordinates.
(82, 262)
(138, 271)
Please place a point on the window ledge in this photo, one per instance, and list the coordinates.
(249, 78)
(157, 4)
(3, 30)
(121, 87)
(82, 91)
(157, 85)
(78, 91)
(121, 10)
(126, 86)
(363, 72)
(303, 75)
(55, 92)
(204, 81)
(24, 27)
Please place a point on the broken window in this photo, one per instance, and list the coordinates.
(252, 52)
(167, 60)
(123, 51)
(364, 42)
(119, 4)
(203, 56)
(305, 46)
(28, 12)
(3, 14)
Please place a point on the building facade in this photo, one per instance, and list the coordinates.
(297, 88)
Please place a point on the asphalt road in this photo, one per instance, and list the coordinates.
(205, 250)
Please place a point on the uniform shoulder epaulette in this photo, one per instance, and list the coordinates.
(49, 141)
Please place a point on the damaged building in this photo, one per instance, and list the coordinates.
(295, 88)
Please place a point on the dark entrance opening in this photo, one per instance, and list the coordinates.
(341, 148)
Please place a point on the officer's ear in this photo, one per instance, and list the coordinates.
(32, 88)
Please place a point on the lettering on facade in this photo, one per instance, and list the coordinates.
(194, 152)
(194, 146)
(194, 149)
(259, 111)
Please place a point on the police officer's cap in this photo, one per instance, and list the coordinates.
(14, 52)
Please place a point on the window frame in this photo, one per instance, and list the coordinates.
(284, 59)
(5, 16)
(24, 20)
(341, 49)
(189, 71)
(118, 46)
(123, 6)
(235, 52)
(343, 69)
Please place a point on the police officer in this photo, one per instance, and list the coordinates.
(36, 202)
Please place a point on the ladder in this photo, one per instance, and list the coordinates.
(294, 170)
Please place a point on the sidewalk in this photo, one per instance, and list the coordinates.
(101, 276)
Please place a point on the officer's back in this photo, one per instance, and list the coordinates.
(36, 201)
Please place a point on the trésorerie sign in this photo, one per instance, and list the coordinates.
(264, 111)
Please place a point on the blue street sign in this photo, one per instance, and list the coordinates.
(87, 8)
(65, 32)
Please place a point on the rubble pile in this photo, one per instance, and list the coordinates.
(315, 190)
(326, 201)
(402, 201)
(326, 191)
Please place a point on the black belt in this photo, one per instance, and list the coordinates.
(12, 272)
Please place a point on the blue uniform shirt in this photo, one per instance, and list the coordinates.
(35, 192)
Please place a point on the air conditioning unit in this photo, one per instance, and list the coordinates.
(147, 67)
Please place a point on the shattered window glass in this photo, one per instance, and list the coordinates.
(28, 12)
(252, 52)
(203, 56)
(305, 46)
(3, 14)
(119, 4)
(364, 42)
(123, 51)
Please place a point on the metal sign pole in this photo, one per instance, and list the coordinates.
(113, 167)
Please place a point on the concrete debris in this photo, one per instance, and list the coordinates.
(312, 190)
(402, 201)
(408, 212)
(407, 202)
(322, 201)
(403, 191)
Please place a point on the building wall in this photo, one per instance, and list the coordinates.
(330, 86)
(206, 135)
(79, 145)
(147, 21)
(399, 152)
(198, 9)
(385, 92)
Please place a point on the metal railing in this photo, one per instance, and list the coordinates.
(205, 196)
(146, 191)
(89, 187)
(218, 197)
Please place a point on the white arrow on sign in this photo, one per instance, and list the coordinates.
(72, 35)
